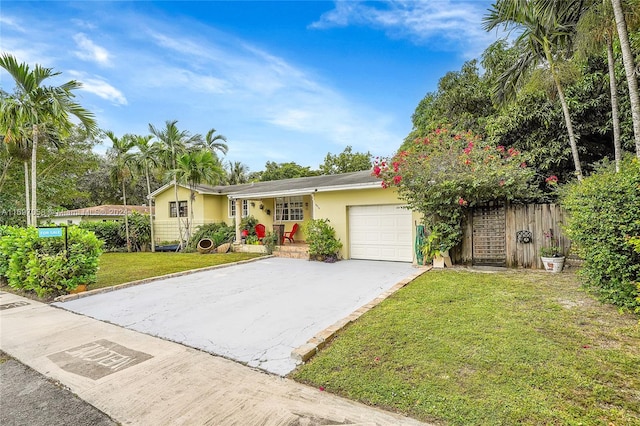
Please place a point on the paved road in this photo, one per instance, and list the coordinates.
(29, 398)
(255, 313)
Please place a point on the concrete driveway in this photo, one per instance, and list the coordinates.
(255, 313)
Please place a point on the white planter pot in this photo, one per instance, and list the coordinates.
(553, 264)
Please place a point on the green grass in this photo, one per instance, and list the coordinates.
(469, 348)
(118, 268)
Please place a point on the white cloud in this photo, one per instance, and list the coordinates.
(89, 51)
(455, 25)
(99, 87)
(7, 21)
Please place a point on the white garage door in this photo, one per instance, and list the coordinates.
(381, 233)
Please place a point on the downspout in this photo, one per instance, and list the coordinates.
(237, 219)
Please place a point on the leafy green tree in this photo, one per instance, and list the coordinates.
(345, 162)
(463, 101)
(172, 144)
(278, 171)
(629, 67)
(238, 173)
(37, 106)
(443, 173)
(146, 160)
(543, 39)
(196, 167)
(121, 170)
(215, 143)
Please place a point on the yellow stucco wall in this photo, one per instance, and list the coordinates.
(335, 205)
(332, 205)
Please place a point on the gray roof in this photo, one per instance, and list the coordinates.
(295, 186)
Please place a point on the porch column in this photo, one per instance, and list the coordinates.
(237, 219)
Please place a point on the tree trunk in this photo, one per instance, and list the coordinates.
(615, 118)
(192, 197)
(26, 191)
(126, 216)
(175, 189)
(153, 241)
(34, 162)
(629, 69)
(567, 116)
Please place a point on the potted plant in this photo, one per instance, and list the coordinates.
(551, 254)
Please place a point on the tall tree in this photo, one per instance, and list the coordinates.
(215, 143)
(629, 68)
(196, 167)
(238, 173)
(146, 159)
(345, 162)
(36, 105)
(544, 40)
(121, 170)
(173, 143)
(596, 29)
(278, 171)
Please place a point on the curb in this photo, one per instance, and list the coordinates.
(69, 297)
(305, 352)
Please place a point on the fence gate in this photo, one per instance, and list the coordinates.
(489, 240)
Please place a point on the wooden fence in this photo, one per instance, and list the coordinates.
(497, 235)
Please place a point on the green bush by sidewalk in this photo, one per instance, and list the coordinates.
(40, 264)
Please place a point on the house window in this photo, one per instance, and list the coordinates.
(232, 208)
(183, 208)
(289, 209)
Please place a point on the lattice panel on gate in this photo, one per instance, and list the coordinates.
(489, 240)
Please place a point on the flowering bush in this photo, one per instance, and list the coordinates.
(444, 173)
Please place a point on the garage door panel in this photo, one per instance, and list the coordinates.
(381, 233)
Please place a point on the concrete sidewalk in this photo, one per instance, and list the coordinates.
(141, 380)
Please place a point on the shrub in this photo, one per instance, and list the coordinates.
(40, 264)
(443, 173)
(604, 213)
(109, 232)
(139, 231)
(219, 233)
(249, 224)
(322, 240)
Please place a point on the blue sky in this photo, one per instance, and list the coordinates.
(283, 81)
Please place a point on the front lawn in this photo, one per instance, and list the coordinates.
(118, 268)
(471, 348)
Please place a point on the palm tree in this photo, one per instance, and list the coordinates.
(35, 105)
(173, 143)
(146, 159)
(543, 40)
(213, 144)
(238, 173)
(629, 69)
(596, 29)
(18, 146)
(194, 168)
(121, 170)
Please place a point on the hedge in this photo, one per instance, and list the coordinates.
(40, 264)
(604, 218)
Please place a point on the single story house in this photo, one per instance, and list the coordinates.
(96, 214)
(371, 222)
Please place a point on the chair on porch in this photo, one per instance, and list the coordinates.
(260, 231)
(289, 235)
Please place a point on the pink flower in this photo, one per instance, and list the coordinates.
(462, 201)
(467, 161)
(321, 388)
(377, 359)
(523, 165)
(500, 148)
(396, 165)
(376, 170)
(397, 179)
(467, 150)
(552, 180)
(384, 184)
